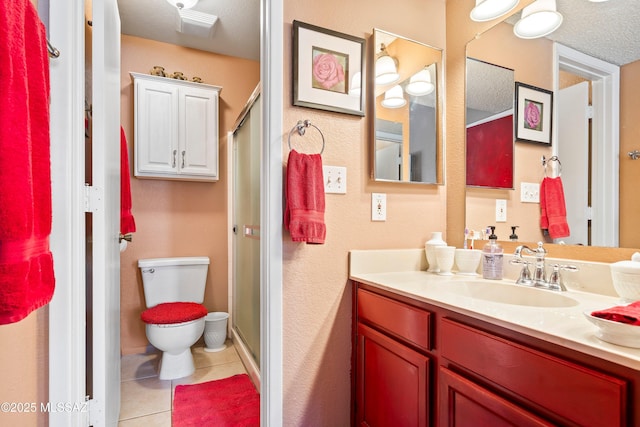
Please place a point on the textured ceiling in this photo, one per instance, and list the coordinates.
(608, 30)
(237, 32)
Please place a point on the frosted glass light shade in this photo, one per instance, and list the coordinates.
(486, 10)
(394, 98)
(386, 71)
(183, 4)
(539, 19)
(354, 89)
(420, 84)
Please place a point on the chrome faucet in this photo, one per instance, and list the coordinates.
(539, 278)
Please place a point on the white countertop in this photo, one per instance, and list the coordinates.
(404, 273)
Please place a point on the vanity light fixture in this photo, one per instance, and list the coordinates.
(183, 4)
(386, 68)
(354, 89)
(394, 98)
(420, 83)
(539, 19)
(486, 10)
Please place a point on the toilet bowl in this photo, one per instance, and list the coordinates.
(174, 291)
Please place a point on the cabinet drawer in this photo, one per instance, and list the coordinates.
(574, 392)
(411, 324)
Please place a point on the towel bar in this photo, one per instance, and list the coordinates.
(301, 127)
(551, 159)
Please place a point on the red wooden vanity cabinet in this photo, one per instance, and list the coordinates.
(417, 364)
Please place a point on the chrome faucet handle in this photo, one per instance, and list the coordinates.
(539, 274)
(525, 274)
(555, 279)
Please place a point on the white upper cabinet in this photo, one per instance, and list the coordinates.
(176, 129)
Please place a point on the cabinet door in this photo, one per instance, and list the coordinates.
(198, 109)
(464, 403)
(392, 382)
(156, 128)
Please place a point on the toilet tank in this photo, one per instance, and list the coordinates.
(180, 279)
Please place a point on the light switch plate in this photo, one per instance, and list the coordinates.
(501, 210)
(378, 207)
(529, 192)
(335, 179)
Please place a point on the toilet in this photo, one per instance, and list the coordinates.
(173, 292)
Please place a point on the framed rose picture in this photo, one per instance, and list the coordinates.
(327, 69)
(534, 113)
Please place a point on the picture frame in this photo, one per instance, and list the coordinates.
(533, 114)
(328, 69)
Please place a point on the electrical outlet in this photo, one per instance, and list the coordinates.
(335, 179)
(529, 192)
(501, 210)
(378, 207)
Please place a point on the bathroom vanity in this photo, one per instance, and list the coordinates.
(430, 350)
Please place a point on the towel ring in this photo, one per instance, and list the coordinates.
(551, 159)
(301, 127)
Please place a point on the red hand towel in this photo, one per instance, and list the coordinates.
(304, 210)
(553, 208)
(127, 222)
(629, 314)
(26, 263)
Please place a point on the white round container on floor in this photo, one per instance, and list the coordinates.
(215, 331)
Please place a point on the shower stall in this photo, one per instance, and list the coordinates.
(244, 294)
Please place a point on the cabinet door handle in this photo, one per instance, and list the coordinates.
(175, 152)
(183, 153)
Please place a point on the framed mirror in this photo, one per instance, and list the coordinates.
(406, 88)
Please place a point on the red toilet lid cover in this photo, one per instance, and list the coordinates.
(173, 312)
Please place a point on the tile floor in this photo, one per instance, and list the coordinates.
(146, 400)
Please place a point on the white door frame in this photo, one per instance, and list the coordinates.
(67, 308)
(605, 79)
(271, 65)
(66, 311)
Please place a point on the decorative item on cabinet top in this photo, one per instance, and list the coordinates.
(159, 71)
(176, 129)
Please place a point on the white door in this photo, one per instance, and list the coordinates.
(106, 213)
(573, 152)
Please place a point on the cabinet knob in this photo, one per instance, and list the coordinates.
(173, 164)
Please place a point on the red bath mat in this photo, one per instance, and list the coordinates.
(229, 402)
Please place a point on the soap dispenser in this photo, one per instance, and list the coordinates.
(514, 236)
(492, 255)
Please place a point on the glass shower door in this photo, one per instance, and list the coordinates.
(246, 260)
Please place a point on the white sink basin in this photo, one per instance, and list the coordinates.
(512, 294)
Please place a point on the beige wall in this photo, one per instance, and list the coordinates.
(316, 292)
(24, 368)
(176, 218)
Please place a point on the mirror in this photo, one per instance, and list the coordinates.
(407, 146)
(533, 63)
(489, 121)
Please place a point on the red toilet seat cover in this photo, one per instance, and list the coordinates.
(173, 312)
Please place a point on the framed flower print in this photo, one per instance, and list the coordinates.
(327, 69)
(534, 114)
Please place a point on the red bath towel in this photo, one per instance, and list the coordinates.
(127, 222)
(26, 263)
(304, 211)
(629, 314)
(553, 211)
